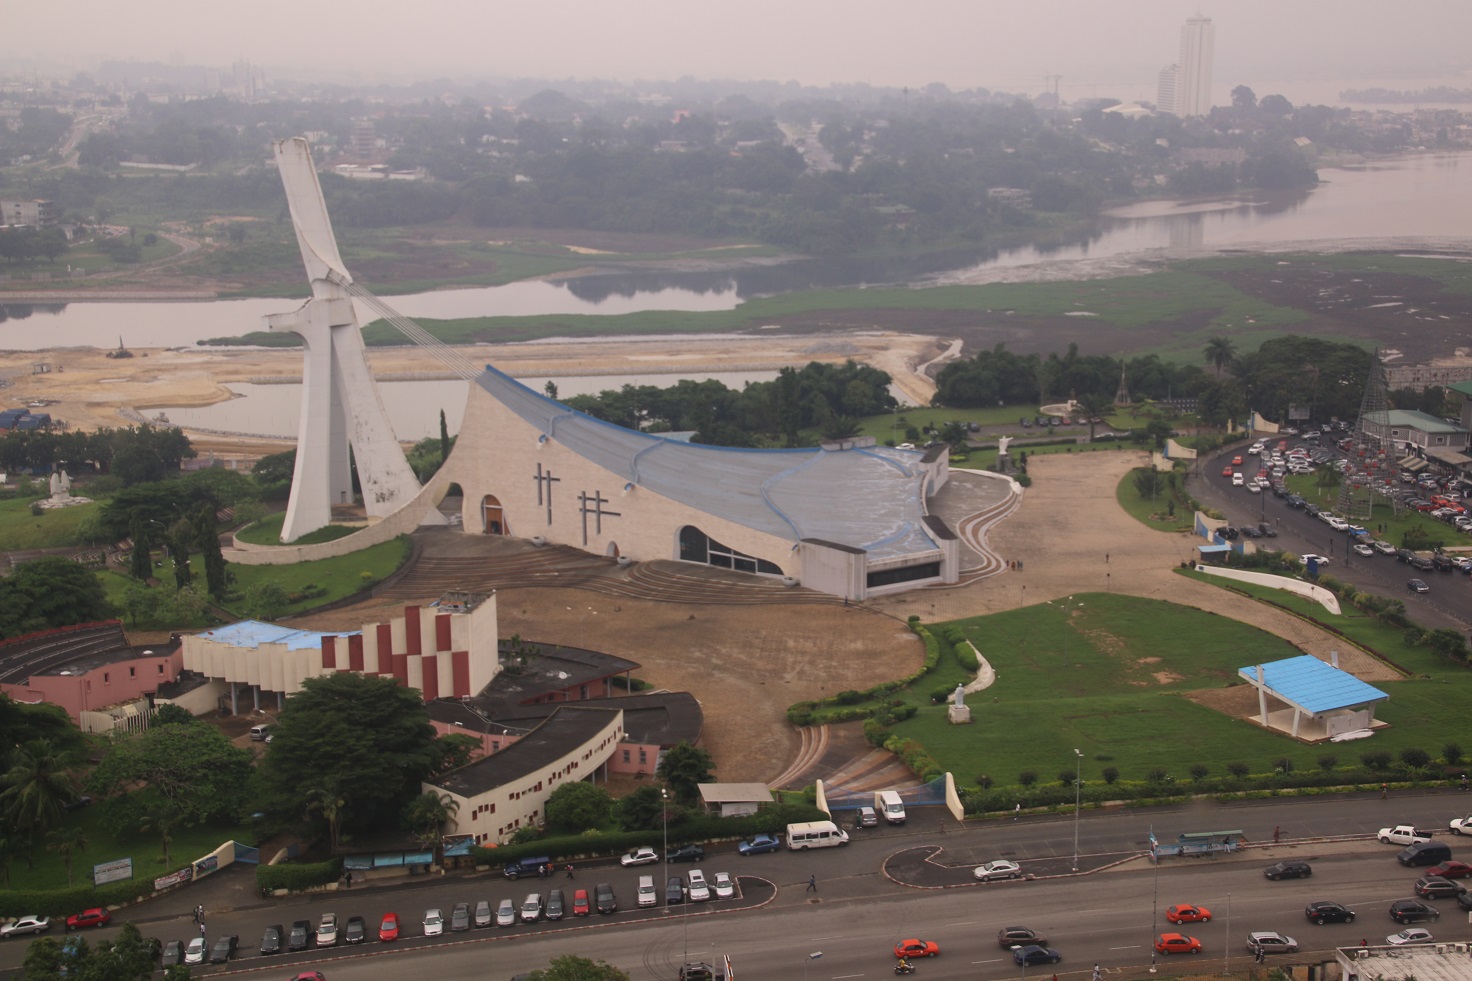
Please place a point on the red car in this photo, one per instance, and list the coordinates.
(1227, 471)
(389, 928)
(1236, 461)
(917, 948)
(1177, 943)
(88, 917)
(1451, 870)
(1188, 914)
(310, 976)
(580, 905)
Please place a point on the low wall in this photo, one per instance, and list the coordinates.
(1318, 594)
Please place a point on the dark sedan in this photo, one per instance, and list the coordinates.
(1413, 911)
(1020, 936)
(300, 937)
(1434, 887)
(1288, 870)
(1033, 954)
(173, 953)
(271, 940)
(356, 931)
(685, 853)
(224, 949)
(1328, 912)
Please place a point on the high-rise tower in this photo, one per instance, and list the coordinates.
(1193, 85)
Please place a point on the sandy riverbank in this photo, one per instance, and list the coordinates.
(90, 390)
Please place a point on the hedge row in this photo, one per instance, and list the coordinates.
(848, 706)
(598, 844)
(64, 902)
(298, 876)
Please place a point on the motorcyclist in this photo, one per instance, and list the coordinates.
(904, 966)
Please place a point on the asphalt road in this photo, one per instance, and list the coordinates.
(1449, 604)
(1108, 914)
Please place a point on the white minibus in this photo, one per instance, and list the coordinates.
(815, 834)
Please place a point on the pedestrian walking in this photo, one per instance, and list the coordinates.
(1364, 942)
(1464, 781)
(569, 870)
(812, 884)
(1258, 954)
(1384, 791)
(1098, 974)
(1017, 812)
(1277, 834)
(201, 931)
(1106, 558)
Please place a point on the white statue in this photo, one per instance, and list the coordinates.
(1002, 443)
(55, 484)
(958, 697)
(66, 483)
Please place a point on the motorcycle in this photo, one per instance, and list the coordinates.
(904, 967)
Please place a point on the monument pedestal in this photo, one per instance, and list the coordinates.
(959, 715)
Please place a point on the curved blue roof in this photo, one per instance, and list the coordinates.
(870, 498)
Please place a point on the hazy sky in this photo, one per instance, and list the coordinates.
(1001, 44)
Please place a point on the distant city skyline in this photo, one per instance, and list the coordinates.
(1098, 49)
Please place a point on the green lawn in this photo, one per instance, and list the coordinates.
(267, 531)
(105, 844)
(19, 529)
(1152, 512)
(1113, 683)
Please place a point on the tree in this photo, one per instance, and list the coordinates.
(171, 776)
(50, 592)
(367, 737)
(642, 810)
(570, 967)
(127, 958)
(1220, 352)
(1148, 481)
(1244, 99)
(329, 802)
(427, 813)
(1275, 105)
(169, 714)
(1095, 406)
(66, 842)
(576, 807)
(684, 768)
(444, 438)
(37, 789)
(266, 600)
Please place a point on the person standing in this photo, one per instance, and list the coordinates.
(569, 870)
(1384, 791)
(1277, 834)
(812, 884)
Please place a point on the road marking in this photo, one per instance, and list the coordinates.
(841, 977)
(996, 960)
(1130, 947)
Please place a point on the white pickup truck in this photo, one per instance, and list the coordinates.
(1403, 834)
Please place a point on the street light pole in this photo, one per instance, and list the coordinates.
(1077, 783)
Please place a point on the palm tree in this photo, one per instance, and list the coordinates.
(1221, 352)
(37, 788)
(428, 812)
(1094, 406)
(328, 801)
(65, 842)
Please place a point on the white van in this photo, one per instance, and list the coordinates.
(889, 804)
(259, 733)
(815, 834)
(647, 895)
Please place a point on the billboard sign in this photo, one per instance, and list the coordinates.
(116, 871)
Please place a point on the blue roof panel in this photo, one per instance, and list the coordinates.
(254, 633)
(1315, 686)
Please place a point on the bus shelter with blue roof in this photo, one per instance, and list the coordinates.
(1313, 701)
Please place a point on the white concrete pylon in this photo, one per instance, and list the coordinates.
(341, 406)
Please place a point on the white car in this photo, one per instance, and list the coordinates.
(1410, 935)
(1308, 557)
(327, 930)
(197, 951)
(723, 886)
(33, 923)
(506, 913)
(1363, 549)
(1384, 548)
(1000, 869)
(434, 923)
(697, 887)
(1462, 825)
(1238, 480)
(639, 856)
(1254, 488)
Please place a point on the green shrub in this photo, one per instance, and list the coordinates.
(297, 876)
(966, 654)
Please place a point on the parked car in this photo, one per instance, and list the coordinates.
(1413, 911)
(197, 951)
(1019, 936)
(173, 954)
(760, 844)
(674, 891)
(95, 917)
(685, 853)
(1362, 549)
(272, 940)
(1325, 911)
(388, 928)
(722, 885)
(300, 937)
(1035, 954)
(1308, 557)
(1000, 869)
(224, 949)
(696, 886)
(506, 913)
(460, 918)
(916, 948)
(1270, 942)
(1188, 914)
(605, 901)
(531, 907)
(1414, 935)
(483, 917)
(555, 909)
(580, 905)
(639, 856)
(434, 923)
(1177, 943)
(356, 931)
(32, 923)
(327, 930)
